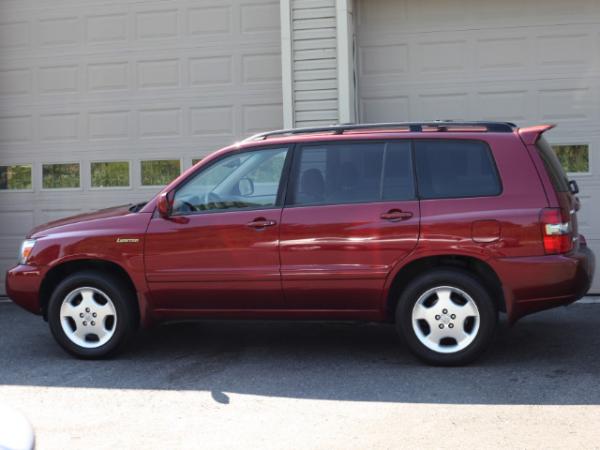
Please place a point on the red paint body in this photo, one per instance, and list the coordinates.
(322, 262)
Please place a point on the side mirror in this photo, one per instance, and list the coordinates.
(165, 205)
(246, 187)
(573, 187)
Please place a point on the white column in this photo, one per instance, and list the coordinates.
(286, 63)
(345, 61)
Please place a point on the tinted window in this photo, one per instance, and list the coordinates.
(239, 181)
(352, 172)
(455, 168)
(553, 167)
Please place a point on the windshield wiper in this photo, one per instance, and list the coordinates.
(137, 207)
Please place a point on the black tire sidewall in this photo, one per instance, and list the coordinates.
(465, 281)
(119, 295)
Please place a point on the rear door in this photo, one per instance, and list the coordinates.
(351, 214)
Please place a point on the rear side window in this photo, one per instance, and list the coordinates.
(455, 169)
(334, 173)
(553, 167)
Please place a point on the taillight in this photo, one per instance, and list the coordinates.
(556, 231)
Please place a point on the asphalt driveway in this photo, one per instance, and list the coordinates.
(307, 385)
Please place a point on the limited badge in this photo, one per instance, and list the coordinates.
(127, 240)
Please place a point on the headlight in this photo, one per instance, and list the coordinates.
(26, 249)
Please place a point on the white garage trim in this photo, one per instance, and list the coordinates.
(286, 63)
(345, 62)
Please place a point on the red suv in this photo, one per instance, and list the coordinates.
(437, 227)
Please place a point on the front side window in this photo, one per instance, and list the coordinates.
(335, 173)
(455, 169)
(246, 180)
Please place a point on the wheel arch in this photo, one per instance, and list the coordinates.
(57, 273)
(418, 266)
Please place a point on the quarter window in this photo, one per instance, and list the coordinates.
(455, 168)
(60, 176)
(248, 180)
(336, 173)
(15, 177)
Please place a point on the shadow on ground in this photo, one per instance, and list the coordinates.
(550, 358)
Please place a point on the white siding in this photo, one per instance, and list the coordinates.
(515, 60)
(314, 62)
(127, 80)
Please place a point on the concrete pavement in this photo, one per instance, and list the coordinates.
(307, 385)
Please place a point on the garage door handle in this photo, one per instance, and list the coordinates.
(261, 222)
(395, 215)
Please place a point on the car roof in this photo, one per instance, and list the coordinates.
(395, 127)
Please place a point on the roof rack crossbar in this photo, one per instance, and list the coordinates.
(441, 125)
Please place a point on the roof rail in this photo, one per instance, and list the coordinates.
(439, 125)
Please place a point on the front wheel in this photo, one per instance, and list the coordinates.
(446, 317)
(91, 315)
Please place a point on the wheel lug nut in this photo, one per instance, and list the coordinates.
(445, 311)
(84, 323)
(451, 325)
(81, 315)
(94, 323)
(438, 317)
(87, 309)
(453, 316)
(441, 326)
(94, 314)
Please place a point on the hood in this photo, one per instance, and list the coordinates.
(86, 217)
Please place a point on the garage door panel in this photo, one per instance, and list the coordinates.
(495, 53)
(380, 109)
(442, 56)
(513, 60)
(128, 81)
(14, 221)
(436, 15)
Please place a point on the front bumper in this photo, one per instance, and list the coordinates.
(537, 283)
(23, 285)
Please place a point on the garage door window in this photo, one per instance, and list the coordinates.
(60, 176)
(160, 172)
(110, 174)
(17, 177)
(455, 169)
(573, 158)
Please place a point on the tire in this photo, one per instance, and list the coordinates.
(446, 317)
(92, 315)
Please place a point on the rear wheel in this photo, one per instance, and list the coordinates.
(92, 315)
(446, 317)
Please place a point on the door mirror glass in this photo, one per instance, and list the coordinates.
(246, 187)
(164, 205)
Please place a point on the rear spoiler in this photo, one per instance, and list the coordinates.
(530, 135)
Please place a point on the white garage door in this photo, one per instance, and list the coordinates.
(519, 60)
(101, 102)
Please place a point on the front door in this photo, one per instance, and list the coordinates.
(219, 250)
(351, 214)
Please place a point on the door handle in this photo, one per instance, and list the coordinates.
(395, 215)
(261, 222)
